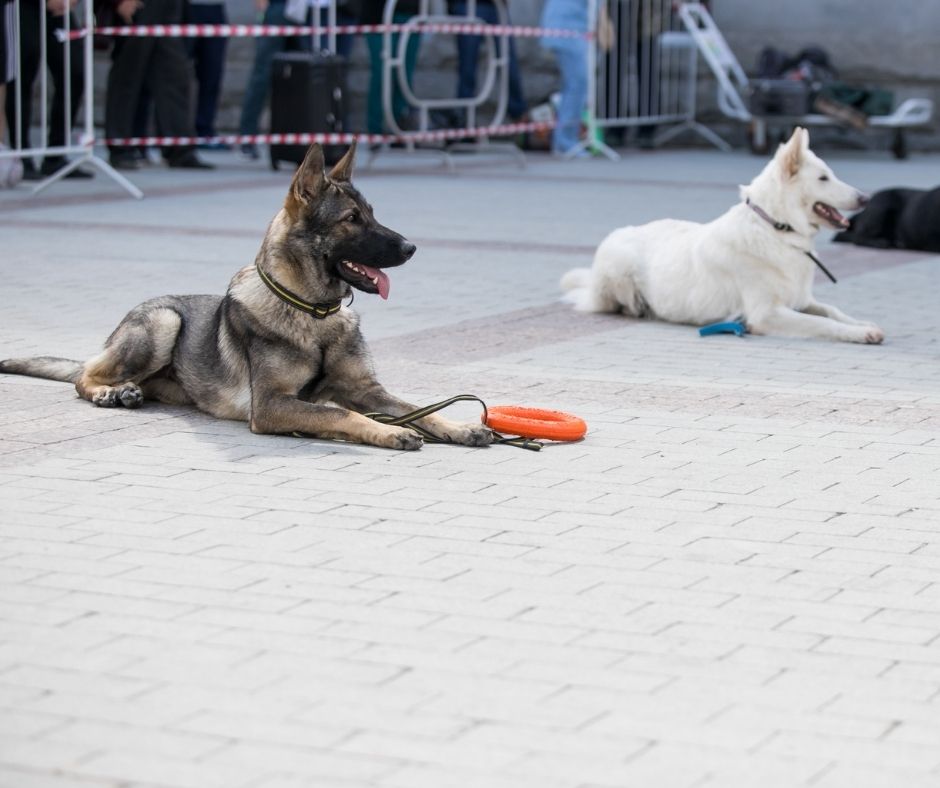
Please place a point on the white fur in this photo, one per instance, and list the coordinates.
(735, 266)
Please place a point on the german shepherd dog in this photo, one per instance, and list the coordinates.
(278, 350)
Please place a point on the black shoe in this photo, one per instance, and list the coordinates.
(189, 161)
(645, 137)
(52, 166)
(30, 173)
(125, 160)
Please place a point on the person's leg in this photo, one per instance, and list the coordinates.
(468, 53)
(375, 120)
(344, 43)
(55, 60)
(572, 62)
(127, 74)
(517, 106)
(169, 79)
(259, 82)
(209, 58)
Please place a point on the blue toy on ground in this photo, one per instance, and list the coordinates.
(735, 327)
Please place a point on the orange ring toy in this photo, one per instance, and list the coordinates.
(550, 425)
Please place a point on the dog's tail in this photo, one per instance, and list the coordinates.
(576, 279)
(61, 369)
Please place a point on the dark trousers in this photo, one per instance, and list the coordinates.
(208, 56)
(468, 51)
(162, 66)
(55, 61)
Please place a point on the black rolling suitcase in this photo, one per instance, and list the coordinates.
(308, 94)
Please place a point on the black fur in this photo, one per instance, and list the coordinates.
(898, 219)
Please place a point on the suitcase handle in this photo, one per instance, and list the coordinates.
(337, 114)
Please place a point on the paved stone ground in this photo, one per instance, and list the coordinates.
(733, 581)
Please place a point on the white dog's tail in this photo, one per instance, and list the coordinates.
(580, 287)
(576, 279)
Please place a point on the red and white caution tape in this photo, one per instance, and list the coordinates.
(329, 138)
(253, 31)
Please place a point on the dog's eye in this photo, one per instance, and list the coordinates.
(824, 177)
(353, 217)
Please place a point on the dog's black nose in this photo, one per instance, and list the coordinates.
(863, 200)
(407, 249)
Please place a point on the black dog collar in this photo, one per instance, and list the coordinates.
(787, 228)
(782, 226)
(318, 311)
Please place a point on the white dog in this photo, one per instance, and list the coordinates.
(752, 262)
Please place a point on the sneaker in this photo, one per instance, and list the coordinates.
(29, 171)
(249, 151)
(223, 146)
(123, 160)
(571, 153)
(11, 171)
(51, 166)
(189, 161)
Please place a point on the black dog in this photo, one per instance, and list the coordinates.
(898, 219)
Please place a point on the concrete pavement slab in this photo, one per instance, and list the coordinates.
(731, 580)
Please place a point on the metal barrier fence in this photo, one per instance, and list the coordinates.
(494, 90)
(59, 137)
(77, 45)
(645, 70)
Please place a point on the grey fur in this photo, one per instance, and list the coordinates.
(250, 356)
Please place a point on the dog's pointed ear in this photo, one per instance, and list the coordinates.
(791, 154)
(343, 169)
(308, 181)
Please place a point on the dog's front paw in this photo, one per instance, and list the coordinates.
(401, 438)
(870, 334)
(470, 434)
(126, 395)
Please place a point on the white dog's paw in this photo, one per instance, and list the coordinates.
(868, 334)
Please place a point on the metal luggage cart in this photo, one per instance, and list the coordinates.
(734, 88)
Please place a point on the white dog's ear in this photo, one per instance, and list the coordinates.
(790, 155)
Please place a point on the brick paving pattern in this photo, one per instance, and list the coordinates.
(733, 581)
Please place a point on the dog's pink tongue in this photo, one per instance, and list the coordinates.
(381, 279)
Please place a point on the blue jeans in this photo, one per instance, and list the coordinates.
(571, 55)
(259, 83)
(468, 51)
